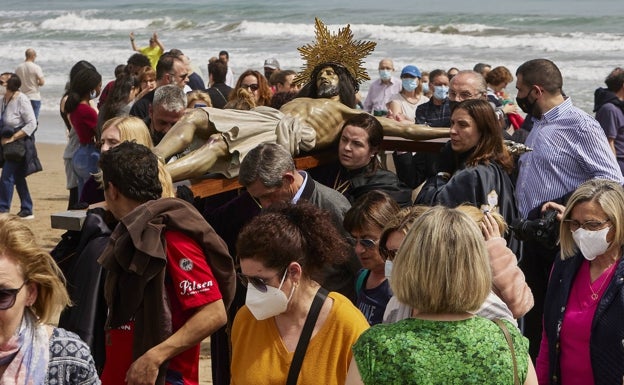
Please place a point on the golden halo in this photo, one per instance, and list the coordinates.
(338, 49)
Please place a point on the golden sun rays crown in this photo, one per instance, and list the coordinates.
(338, 49)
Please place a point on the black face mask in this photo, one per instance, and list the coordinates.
(526, 106)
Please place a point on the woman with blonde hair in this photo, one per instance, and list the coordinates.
(31, 295)
(198, 98)
(584, 305)
(442, 270)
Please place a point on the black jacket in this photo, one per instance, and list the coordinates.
(219, 94)
(363, 180)
(606, 343)
(603, 96)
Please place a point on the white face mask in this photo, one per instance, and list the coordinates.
(388, 269)
(591, 243)
(269, 304)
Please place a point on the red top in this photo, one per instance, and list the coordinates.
(84, 121)
(190, 284)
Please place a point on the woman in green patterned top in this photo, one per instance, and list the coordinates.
(442, 270)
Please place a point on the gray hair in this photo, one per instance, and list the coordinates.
(267, 162)
(170, 97)
(476, 79)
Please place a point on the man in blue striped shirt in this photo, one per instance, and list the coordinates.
(569, 147)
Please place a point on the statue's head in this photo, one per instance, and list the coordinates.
(331, 81)
(333, 65)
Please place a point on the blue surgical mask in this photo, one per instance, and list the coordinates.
(440, 92)
(425, 88)
(385, 74)
(93, 94)
(409, 84)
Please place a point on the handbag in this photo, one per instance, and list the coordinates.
(14, 151)
(306, 333)
(502, 326)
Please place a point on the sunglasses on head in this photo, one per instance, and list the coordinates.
(7, 297)
(366, 243)
(253, 87)
(257, 282)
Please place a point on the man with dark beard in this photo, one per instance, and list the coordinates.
(331, 81)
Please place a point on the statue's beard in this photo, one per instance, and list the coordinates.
(327, 91)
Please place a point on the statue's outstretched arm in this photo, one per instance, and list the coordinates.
(199, 161)
(180, 136)
(411, 130)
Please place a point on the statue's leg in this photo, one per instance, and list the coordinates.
(180, 136)
(199, 161)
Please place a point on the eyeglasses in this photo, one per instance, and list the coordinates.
(7, 297)
(588, 225)
(387, 254)
(465, 95)
(182, 77)
(253, 87)
(365, 243)
(257, 282)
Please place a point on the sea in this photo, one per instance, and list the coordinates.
(584, 38)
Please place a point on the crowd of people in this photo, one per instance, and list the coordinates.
(346, 273)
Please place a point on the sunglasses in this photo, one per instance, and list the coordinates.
(257, 282)
(7, 297)
(365, 243)
(253, 87)
(388, 254)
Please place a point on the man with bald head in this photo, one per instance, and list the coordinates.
(32, 78)
(382, 89)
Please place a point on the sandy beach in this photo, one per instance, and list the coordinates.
(49, 195)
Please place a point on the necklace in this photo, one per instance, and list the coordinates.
(605, 274)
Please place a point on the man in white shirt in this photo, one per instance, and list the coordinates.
(32, 78)
(382, 89)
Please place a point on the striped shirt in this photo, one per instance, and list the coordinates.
(569, 148)
(434, 115)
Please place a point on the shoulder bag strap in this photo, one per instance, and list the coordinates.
(306, 333)
(502, 326)
(359, 283)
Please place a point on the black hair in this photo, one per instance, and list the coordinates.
(347, 85)
(85, 81)
(218, 70)
(13, 83)
(133, 169)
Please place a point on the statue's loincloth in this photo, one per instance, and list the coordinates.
(244, 130)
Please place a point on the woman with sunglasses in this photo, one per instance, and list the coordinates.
(282, 252)
(510, 297)
(32, 292)
(442, 270)
(365, 221)
(256, 84)
(584, 305)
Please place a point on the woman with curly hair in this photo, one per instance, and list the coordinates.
(282, 253)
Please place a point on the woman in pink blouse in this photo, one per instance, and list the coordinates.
(583, 338)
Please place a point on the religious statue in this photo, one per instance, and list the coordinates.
(219, 139)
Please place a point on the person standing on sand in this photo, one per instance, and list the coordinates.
(153, 51)
(32, 78)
